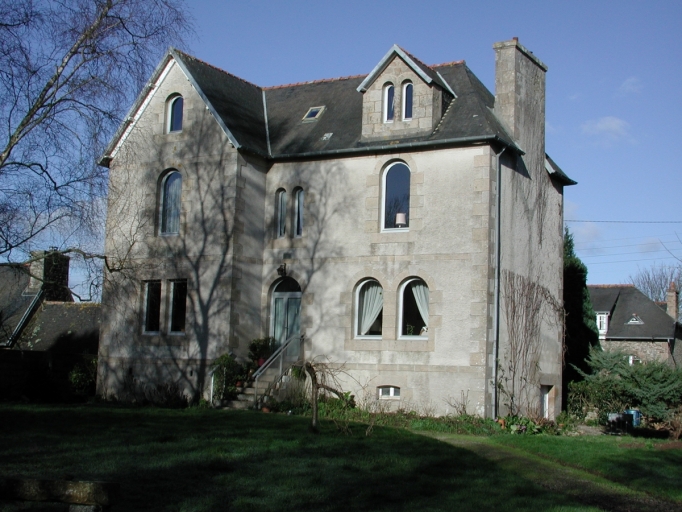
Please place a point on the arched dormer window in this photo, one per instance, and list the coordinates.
(174, 114)
(369, 308)
(396, 197)
(280, 213)
(413, 308)
(389, 100)
(299, 196)
(171, 197)
(408, 90)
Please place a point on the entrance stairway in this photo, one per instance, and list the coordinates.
(246, 399)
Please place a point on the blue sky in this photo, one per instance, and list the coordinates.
(614, 108)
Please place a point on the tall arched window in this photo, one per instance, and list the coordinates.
(389, 107)
(408, 89)
(174, 114)
(281, 213)
(413, 309)
(369, 309)
(298, 213)
(396, 195)
(171, 201)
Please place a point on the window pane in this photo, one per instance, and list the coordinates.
(170, 209)
(152, 306)
(408, 102)
(299, 213)
(412, 321)
(370, 309)
(390, 95)
(281, 213)
(397, 192)
(176, 115)
(178, 306)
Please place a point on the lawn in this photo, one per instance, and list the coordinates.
(204, 460)
(651, 466)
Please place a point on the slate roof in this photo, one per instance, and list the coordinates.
(268, 121)
(621, 302)
(13, 300)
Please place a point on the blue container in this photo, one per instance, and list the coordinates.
(636, 417)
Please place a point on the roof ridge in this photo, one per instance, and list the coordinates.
(611, 286)
(418, 61)
(322, 80)
(217, 68)
(451, 63)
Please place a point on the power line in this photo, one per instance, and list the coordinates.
(629, 221)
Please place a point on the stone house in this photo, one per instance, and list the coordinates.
(630, 322)
(408, 222)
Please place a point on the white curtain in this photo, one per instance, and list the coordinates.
(172, 191)
(421, 296)
(372, 300)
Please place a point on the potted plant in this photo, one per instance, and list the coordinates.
(260, 349)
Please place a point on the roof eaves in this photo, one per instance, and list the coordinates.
(555, 172)
(395, 49)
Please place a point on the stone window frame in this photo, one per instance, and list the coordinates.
(402, 289)
(163, 229)
(382, 212)
(406, 84)
(171, 113)
(385, 95)
(280, 213)
(356, 310)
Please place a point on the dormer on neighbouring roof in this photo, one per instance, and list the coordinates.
(402, 97)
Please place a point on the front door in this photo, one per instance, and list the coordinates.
(286, 315)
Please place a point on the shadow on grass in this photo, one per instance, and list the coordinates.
(203, 460)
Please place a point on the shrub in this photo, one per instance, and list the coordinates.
(83, 376)
(226, 373)
(262, 348)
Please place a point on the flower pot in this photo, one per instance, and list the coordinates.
(261, 362)
(265, 409)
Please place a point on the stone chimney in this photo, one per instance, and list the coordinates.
(671, 301)
(520, 100)
(50, 271)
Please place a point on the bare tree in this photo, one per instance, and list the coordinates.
(68, 69)
(654, 281)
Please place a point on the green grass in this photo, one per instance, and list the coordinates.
(633, 462)
(204, 460)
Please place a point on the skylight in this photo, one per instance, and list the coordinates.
(313, 113)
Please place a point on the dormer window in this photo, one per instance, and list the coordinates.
(602, 324)
(408, 90)
(174, 114)
(635, 320)
(389, 99)
(313, 114)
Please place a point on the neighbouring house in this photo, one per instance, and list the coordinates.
(42, 329)
(630, 322)
(407, 222)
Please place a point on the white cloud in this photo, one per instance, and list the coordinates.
(630, 86)
(608, 129)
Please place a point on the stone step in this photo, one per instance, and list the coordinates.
(235, 404)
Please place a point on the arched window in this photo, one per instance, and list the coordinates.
(281, 213)
(298, 213)
(408, 89)
(396, 194)
(369, 309)
(389, 107)
(171, 197)
(413, 308)
(174, 114)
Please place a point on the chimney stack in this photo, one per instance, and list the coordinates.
(671, 301)
(520, 100)
(50, 271)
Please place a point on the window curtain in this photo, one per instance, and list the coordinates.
(171, 203)
(421, 296)
(372, 296)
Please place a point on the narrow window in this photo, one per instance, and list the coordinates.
(414, 308)
(396, 192)
(369, 303)
(178, 306)
(281, 213)
(175, 107)
(407, 101)
(298, 219)
(152, 308)
(171, 193)
(389, 107)
(388, 392)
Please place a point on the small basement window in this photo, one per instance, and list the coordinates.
(388, 392)
(313, 114)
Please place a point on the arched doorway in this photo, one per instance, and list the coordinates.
(285, 313)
